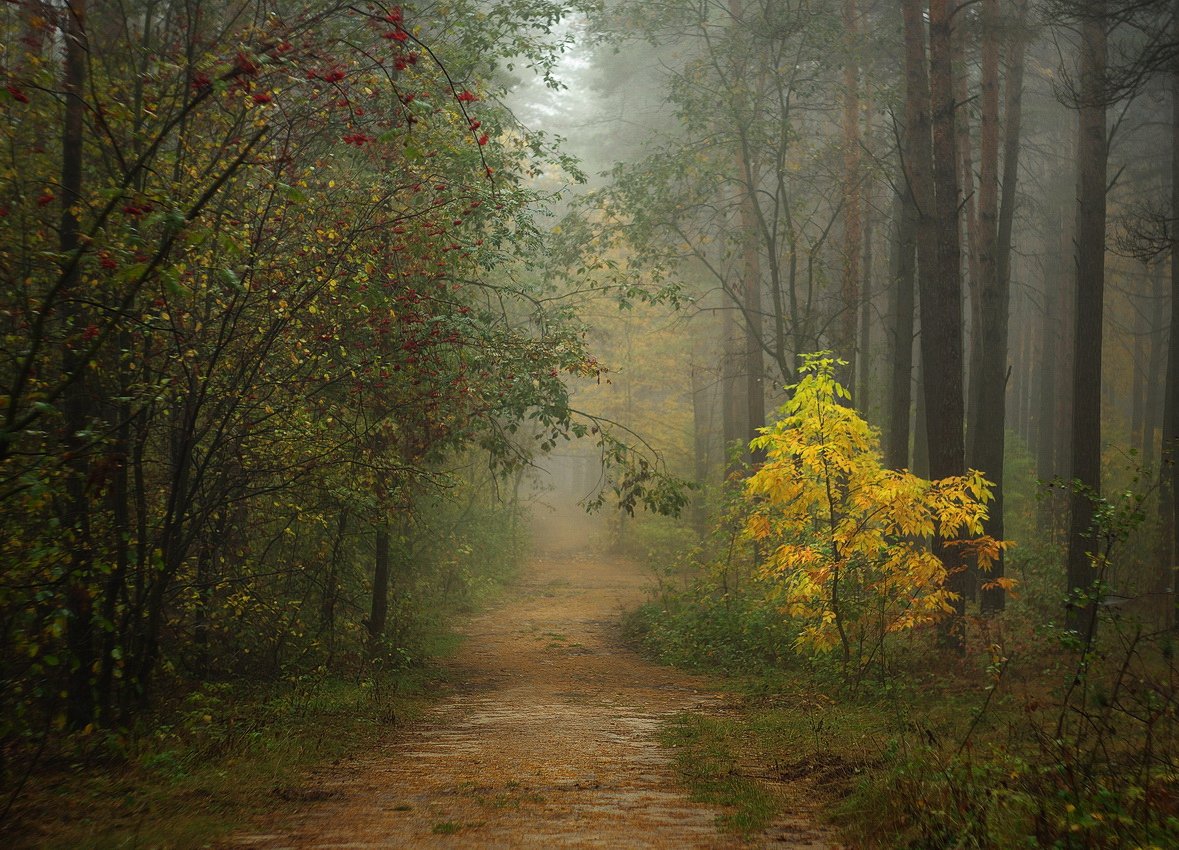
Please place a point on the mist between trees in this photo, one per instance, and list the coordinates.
(298, 295)
(967, 203)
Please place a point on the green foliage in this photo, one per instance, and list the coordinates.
(703, 628)
(291, 317)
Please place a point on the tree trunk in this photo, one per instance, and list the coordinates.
(76, 404)
(970, 207)
(1155, 376)
(941, 304)
(700, 431)
(989, 441)
(1090, 271)
(903, 274)
(1026, 338)
(1045, 443)
(1066, 311)
(331, 587)
(1141, 333)
(1054, 374)
(755, 394)
(984, 418)
(380, 603)
(1169, 469)
(733, 406)
(920, 420)
(749, 296)
(863, 397)
(919, 178)
(853, 226)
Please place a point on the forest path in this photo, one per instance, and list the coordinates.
(550, 740)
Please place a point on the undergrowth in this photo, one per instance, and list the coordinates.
(224, 755)
(991, 752)
(1052, 724)
(214, 755)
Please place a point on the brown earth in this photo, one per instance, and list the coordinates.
(549, 740)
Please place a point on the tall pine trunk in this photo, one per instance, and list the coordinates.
(1155, 375)
(941, 303)
(1090, 289)
(853, 223)
(989, 439)
(1169, 497)
(80, 707)
(904, 270)
(863, 397)
(971, 202)
(755, 394)
(733, 413)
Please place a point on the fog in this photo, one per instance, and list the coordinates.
(751, 223)
(824, 347)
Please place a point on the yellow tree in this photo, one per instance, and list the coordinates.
(845, 540)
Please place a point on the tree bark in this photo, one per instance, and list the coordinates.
(1141, 334)
(1169, 469)
(755, 394)
(700, 431)
(903, 277)
(920, 420)
(732, 391)
(1090, 288)
(80, 595)
(853, 226)
(1066, 311)
(863, 397)
(983, 419)
(332, 588)
(989, 440)
(380, 602)
(919, 180)
(1045, 442)
(970, 207)
(941, 304)
(1155, 375)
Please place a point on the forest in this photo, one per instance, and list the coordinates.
(351, 353)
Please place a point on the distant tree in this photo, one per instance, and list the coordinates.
(747, 186)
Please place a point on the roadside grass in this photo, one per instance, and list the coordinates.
(779, 748)
(708, 759)
(946, 752)
(223, 755)
(235, 754)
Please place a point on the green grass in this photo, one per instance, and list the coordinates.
(235, 756)
(707, 760)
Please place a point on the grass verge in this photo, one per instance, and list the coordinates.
(707, 760)
(781, 749)
(234, 754)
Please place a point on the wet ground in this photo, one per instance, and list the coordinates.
(549, 740)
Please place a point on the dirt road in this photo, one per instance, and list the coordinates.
(550, 740)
